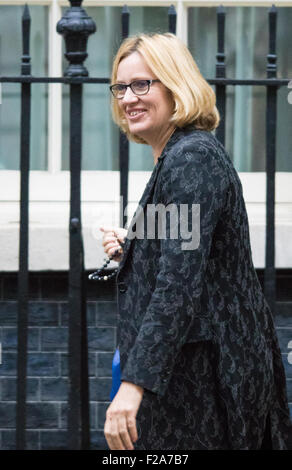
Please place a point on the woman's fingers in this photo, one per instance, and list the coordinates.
(117, 434)
(118, 431)
(109, 230)
(121, 233)
(117, 232)
(111, 247)
(131, 424)
(124, 433)
(108, 239)
(110, 242)
(112, 435)
(113, 251)
(120, 425)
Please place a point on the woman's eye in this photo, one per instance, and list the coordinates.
(140, 84)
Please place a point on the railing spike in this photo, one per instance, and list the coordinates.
(220, 72)
(221, 9)
(171, 10)
(172, 19)
(125, 22)
(125, 10)
(272, 56)
(25, 64)
(26, 14)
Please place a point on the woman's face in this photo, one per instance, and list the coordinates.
(147, 115)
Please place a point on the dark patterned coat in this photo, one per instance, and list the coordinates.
(194, 328)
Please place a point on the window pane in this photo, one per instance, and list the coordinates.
(100, 136)
(10, 60)
(246, 48)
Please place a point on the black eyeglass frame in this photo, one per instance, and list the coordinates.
(149, 82)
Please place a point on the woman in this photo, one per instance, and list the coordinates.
(200, 362)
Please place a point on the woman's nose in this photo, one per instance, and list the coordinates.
(129, 96)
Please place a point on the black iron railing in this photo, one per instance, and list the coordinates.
(23, 234)
(76, 26)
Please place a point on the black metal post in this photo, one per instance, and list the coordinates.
(77, 313)
(271, 121)
(123, 141)
(220, 73)
(22, 320)
(172, 19)
(76, 26)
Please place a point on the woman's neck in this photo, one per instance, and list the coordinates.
(159, 143)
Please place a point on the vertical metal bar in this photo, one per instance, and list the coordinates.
(271, 122)
(85, 411)
(123, 141)
(76, 26)
(220, 73)
(125, 22)
(172, 19)
(22, 320)
(76, 305)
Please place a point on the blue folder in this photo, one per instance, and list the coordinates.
(116, 374)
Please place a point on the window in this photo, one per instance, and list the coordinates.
(246, 48)
(10, 59)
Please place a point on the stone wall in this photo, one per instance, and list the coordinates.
(47, 381)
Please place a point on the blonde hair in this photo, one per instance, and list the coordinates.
(172, 63)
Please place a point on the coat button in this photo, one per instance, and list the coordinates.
(122, 287)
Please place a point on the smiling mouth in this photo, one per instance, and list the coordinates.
(136, 112)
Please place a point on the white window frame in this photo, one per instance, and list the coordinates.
(49, 190)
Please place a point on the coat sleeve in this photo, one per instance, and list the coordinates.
(188, 177)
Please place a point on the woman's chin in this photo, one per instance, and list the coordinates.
(138, 129)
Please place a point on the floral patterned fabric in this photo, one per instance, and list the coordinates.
(194, 328)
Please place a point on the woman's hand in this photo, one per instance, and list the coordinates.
(120, 426)
(110, 243)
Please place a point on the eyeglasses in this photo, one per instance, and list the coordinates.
(138, 87)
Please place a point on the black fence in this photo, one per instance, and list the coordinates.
(76, 26)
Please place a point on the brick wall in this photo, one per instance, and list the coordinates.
(47, 382)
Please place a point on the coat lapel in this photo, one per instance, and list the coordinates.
(147, 194)
(142, 203)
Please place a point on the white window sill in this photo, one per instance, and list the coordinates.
(49, 216)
